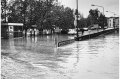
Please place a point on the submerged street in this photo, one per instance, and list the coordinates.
(39, 58)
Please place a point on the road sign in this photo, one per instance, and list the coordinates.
(77, 17)
(75, 23)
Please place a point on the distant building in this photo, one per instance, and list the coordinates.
(57, 30)
(117, 21)
(113, 22)
(11, 30)
(47, 31)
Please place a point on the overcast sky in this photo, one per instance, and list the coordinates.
(85, 6)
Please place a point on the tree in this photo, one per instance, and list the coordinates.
(95, 17)
(43, 13)
(61, 17)
(16, 11)
(89, 21)
(102, 21)
(93, 14)
(4, 10)
(31, 11)
(82, 23)
(67, 18)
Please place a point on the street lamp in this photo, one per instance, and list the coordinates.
(99, 6)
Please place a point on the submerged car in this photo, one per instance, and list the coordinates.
(72, 31)
(85, 29)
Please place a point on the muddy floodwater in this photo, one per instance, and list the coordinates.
(38, 58)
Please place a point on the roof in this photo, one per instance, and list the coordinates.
(12, 24)
(113, 17)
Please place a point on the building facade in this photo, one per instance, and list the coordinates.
(11, 30)
(113, 22)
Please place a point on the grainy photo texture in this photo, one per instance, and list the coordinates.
(59, 39)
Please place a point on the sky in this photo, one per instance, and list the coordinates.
(85, 5)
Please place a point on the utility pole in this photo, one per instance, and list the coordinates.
(24, 24)
(77, 18)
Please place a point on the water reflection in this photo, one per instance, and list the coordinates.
(90, 59)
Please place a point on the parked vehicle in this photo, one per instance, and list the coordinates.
(95, 26)
(47, 32)
(85, 29)
(72, 31)
(64, 31)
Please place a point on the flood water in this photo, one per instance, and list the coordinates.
(38, 58)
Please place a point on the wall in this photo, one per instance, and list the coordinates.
(110, 22)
